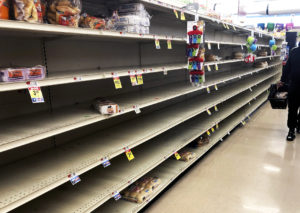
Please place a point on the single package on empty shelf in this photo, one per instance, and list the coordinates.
(12, 75)
(35, 73)
(141, 189)
(105, 107)
(186, 156)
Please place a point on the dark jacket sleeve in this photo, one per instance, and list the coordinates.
(287, 70)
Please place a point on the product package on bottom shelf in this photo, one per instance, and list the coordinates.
(141, 189)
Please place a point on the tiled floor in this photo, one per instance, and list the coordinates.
(254, 170)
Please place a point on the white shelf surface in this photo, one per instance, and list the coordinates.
(120, 174)
(30, 128)
(233, 43)
(210, 63)
(169, 170)
(156, 4)
(59, 78)
(51, 169)
(19, 28)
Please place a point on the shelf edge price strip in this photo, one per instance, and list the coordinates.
(35, 93)
(117, 81)
(74, 179)
(129, 155)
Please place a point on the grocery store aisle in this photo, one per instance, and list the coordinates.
(254, 170)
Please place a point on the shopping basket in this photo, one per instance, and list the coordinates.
(276, 98)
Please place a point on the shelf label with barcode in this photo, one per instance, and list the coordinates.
(129, 155)
(208, 68)
(117, 196)
(177, 156)
(106, 163)
(169, 44)
(212, 129)
(216, 87)
(117, 81)
(216, 67)
(182, 16)
(74, 179)
(139, 77)
(216, 108)
(207, 89)
(208, 112)
(133, 78)
(137, 109)
(35, 93)
(208, 132)
(176, 13)
(157, 44)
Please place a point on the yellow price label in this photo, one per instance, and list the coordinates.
(216, 67)
(244, 123)
(140, 80)
(208, 132)
(182, 16)
(117, 82)
(216, 87)
(177, 156)
(36, 94)
(208, 112)
(176, 13)
(129, 155)
(212, 129)
(157, 44)
(208, 68)
(208, 90)
(217, 126)
(133, 80)
(216, 108)
(169, 43)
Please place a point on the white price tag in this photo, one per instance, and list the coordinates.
(209, 46)
(218, 45)
(165, 71)
(137, 109)
(242, 47)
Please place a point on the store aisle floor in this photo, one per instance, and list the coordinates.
(253, 170)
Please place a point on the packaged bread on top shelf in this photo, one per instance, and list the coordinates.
(87, 21)
(28, 10)
(4, 9)
(64, 12)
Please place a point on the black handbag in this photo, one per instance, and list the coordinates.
(276, 101)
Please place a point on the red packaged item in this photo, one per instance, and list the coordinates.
(12, 75)
(35, 73)
(4, 9)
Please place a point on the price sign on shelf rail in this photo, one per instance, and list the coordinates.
(177, 156)
(169, 43)
(129, 155)
(35, 93)
(176, 13)
(139, 77)
(133, 78)
(117, 81)
(157, 44)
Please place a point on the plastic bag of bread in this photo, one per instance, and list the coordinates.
(28, 10)
(186, 156)
(64, 12)
(87, 21)
(202, 141)
(4, 9)
(148, 182)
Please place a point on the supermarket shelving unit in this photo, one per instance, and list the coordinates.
(41, 145)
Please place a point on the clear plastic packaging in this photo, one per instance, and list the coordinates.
(64, 12)
(87, 21)
(133, 7)
(35, 73)
(28, 10)
(12, 75)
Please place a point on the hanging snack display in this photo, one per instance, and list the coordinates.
(28, 10)
(141, 189)
(64, 12)
(251, 48)
(196, 52)
(273, 46)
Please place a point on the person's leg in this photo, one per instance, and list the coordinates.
(292, 115)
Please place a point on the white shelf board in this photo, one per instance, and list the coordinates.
(120, 175)
(19, 28)
(209, 63)
(70, 77)
(232, 43)
(169, 170)
(156, 4)
(51, 169)
(30, 128)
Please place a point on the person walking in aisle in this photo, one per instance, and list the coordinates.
(291, 76)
